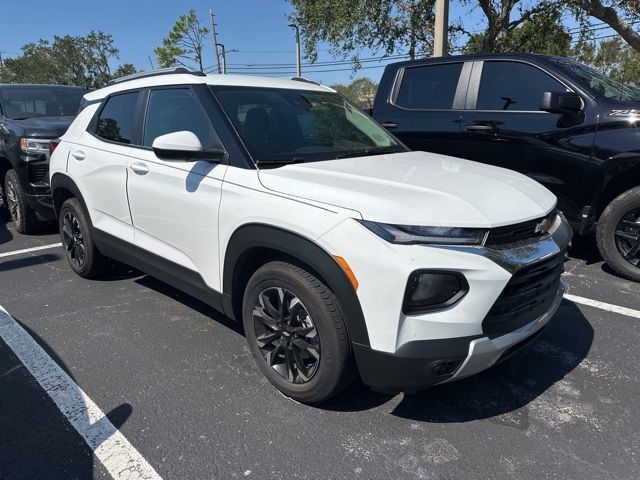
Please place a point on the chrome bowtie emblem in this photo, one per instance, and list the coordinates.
(543, 227)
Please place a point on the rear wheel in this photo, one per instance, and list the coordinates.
(296, 332)
(77, 241)
(618, 234)
(23, 216)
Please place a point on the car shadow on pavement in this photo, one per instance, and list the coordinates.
(508, 387)
(5, 234)
(36, 440)
(191, 302)
(28, 261)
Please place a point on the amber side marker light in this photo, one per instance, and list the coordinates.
(347, 270)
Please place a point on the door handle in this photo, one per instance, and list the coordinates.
(139, 168)
(78, 155)
(480, 128)
(389, 125)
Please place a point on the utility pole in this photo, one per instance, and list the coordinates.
(298, 65)
(1, 61)
(215, 39)
(441, 33)
(151, 63)
(224, 58)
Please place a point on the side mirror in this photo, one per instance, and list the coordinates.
(185, 145)
(561, 102)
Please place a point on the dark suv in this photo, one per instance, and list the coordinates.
(30, 117)
(564, 124)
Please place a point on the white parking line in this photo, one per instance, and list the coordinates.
(603, 306)
(29, 250)
(119, 457)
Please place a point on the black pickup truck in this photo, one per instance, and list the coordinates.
(562, 123)
(30, 117)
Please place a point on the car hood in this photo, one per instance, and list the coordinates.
(416, 188)
(44, 127)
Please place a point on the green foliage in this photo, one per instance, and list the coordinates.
(68, 60)
(361, 91)
(541, 33)
(385, 26)
(612, 57)
(185, 41)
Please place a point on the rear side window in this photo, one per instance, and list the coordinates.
(175, 110)
(514, 86)
(115, 122)
(429, 87)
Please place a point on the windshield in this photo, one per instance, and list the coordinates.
(27, 102)
(279, 126)
(597, 82)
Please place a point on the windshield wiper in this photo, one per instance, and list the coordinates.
(281, 161)
(370, 151)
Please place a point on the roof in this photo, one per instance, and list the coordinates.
(478, 56)
(189, 79)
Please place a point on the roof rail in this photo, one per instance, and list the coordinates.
(302, 79)
(153, 73)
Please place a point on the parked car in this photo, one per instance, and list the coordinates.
(557, 121)
(285, 206)
(30, 116)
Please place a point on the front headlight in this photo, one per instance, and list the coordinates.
(408, 235)
(34, 146)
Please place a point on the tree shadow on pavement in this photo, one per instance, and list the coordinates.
(36, 440)
(505, 388)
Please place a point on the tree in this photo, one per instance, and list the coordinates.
(361, 91)
(68, 60)
(385, 26)
(124, 70)
(540, 33)
(185, 40)
(612, 57)
(501, 25)
(620, 15)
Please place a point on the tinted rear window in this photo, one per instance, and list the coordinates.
(429, 86)
(28, 102)
(115, 122)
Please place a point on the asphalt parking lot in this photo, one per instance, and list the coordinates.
(177, 380)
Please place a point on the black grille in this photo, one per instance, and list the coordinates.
(38, 173)
(518, 233)
(527, 296)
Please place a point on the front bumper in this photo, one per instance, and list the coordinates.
(458, 341)
(430, 362)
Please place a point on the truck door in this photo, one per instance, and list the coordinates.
(422, 104)
(504, 126)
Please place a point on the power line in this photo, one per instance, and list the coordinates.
(276, 66)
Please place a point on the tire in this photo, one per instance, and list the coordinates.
(23, 216)
(617, 237)
(77, 241)
(315, 324)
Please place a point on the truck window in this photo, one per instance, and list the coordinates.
(429, 87)
(514, 86)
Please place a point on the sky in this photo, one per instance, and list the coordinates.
(257, 29)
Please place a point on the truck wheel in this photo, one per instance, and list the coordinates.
(24, 217)
(77, 241)
(296, 332)
(618, 234)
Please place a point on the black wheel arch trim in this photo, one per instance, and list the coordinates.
(256, 235)
(60, 180)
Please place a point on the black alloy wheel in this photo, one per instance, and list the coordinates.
(286, 335)
(627, 237)
(73, 240)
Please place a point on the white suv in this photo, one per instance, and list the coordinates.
(280, 203)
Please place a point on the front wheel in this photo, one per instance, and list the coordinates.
(296, 332)
(618, 234)
(23, 216)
